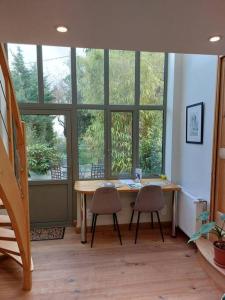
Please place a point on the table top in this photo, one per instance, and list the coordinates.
(90, 186)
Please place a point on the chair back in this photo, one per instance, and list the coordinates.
(106, 201)
(150, 198)
(97, 171)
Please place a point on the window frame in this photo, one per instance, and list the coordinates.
(74, 106)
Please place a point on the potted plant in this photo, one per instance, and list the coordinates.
(214, 228)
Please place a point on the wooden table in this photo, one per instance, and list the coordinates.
(88, 187)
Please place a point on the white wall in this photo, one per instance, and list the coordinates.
(194, 81)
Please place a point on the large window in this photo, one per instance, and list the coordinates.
(116, 100)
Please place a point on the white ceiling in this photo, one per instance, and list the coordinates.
(154, 25)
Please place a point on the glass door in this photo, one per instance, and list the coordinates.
(49, 166)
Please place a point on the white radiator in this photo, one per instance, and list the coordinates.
(189, 208)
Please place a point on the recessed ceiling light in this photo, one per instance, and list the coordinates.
(214, 39)
(62, 29)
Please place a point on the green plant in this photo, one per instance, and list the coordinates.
(41, 157)
(209, 227)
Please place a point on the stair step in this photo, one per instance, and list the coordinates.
(18, 259)
(7, 234)
(1, 204)
(5, 220)
(9, 247)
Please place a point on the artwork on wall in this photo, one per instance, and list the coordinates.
(195, 123)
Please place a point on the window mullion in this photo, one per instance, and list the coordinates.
(164, 112)
(136, 113)
(107, 135)
(40, 75)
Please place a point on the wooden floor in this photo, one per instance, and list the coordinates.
(66, 269)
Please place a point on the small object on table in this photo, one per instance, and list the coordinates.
(138, 175)
(107, 184)
(136, 185)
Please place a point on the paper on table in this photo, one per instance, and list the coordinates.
(110, 184)
(127, 181)
(160, 183)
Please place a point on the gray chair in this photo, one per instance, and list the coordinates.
(149, 199)
(105, 201)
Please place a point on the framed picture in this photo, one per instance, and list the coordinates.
(195, 123)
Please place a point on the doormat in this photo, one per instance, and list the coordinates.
(47, 233)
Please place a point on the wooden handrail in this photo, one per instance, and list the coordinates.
(13, 176)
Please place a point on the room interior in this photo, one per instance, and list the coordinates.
(125, 97)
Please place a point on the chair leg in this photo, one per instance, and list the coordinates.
(131, 220)
(114, 223)
(93, 232)
(137, 227)
(118, 229)
(92, 222)
(160, 226)
(152, 224)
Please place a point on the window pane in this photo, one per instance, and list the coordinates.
(90, 76)
(150, 142)
(121, 77)
(3, 115)
(46, 146)
(121, 139)
(152, 78)
(56, 74)
(91, 143)
(23, 67)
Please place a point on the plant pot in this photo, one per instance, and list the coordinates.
(219, 253)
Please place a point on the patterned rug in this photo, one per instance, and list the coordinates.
(47, 233)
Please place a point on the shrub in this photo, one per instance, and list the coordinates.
(41, 157)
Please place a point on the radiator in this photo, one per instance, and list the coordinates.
(189, 208)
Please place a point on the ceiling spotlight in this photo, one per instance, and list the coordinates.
(214, 39)
(62, 29)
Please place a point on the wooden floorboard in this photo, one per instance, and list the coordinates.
(66, 269)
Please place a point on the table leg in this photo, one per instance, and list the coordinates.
(83, 217)
(174, 217)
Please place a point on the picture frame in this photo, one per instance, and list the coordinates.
(195, 123)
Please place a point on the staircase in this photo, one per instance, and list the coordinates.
(14, 202)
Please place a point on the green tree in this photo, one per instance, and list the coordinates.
(24, 78)
(90, 77)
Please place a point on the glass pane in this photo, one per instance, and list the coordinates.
(90, 76)
(23, 67)
(46, 146)
(57, 74)
(121, 139)
(91, 143)
(3, 115)
(121, 77)
(152, 78)
(150, 142)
